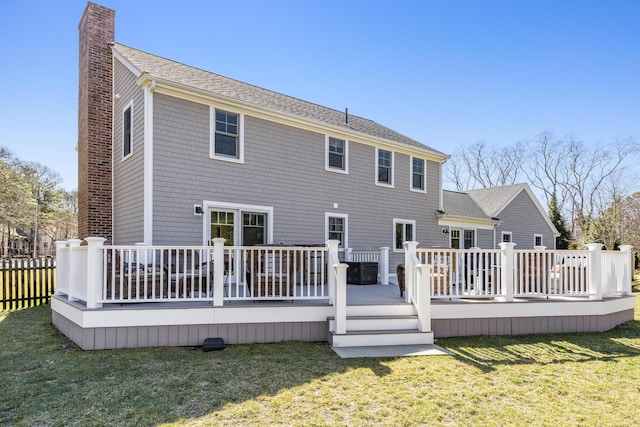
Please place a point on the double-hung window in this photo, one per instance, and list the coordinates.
(337, 155)
(337, 228)
(227, 135)
(404, 231)
(126, 131)
(418, 175)
(506, 237)
(384, 167)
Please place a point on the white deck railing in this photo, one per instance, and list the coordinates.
(505, 273)
(98, 274)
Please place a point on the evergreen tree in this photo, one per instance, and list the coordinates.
(564, 239)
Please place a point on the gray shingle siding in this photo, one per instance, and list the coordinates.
(484, 239)
(224, 87)
(128, 174)
(522, 218)
(284, 168)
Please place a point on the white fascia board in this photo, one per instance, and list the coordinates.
(203, 97)
(467, 222)
(488, 309)
(124, 61)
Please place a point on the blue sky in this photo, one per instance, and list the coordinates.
(446, 73)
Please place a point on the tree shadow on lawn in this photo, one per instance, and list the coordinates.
(488, 352)
(48, 380)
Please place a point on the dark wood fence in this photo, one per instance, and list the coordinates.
(26, 282)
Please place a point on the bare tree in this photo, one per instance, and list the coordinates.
(482, 166)
(585, 181)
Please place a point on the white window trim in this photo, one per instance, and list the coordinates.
(208, 206)
(475, 237)
(535, 236)
(397, 221)
(212, 136)
(506, 233)
(346, 155)
(327, 215)
(124, 109)
(424, 176)
(393, 160)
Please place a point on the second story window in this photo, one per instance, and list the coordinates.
(226, 134)
(126, 132)
(227, 139)
(417, 174)
(506, 237)
(337, 155)
(384, 174)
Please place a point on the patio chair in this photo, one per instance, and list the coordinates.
(270, 273)
(144, 281)
(186, 273)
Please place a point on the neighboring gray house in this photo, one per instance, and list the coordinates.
(196, 155)
(486, 217)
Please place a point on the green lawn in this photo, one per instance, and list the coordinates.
(579, 379)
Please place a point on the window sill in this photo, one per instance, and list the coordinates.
(227, 159)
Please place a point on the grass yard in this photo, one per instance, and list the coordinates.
(579, 379)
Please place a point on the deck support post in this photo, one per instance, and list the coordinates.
(74, 279)
(62, 282)
(332, 255)
(410, 248)
(383, 265)
(627, 275)
(508, 258)
(340, 303)
(593, 271)
(423, 297)
(95, 271)
(218, 271)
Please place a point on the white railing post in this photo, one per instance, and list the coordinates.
(410, 249)
(508, 263)
(74, 277)
(332, 249)
(383, 266)
(62, 275)
(218, 272)
(627, 275)
(423, 297)
(340, 304)
(94, 271)
(593, 270)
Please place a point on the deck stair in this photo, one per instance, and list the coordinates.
(379, 325)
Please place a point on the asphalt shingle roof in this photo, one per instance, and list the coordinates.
(229, 88)
(461, 204)
(493, 200)
(485, 203)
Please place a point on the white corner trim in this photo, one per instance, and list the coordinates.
(148, 166)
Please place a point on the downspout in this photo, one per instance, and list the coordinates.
(441, 203)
